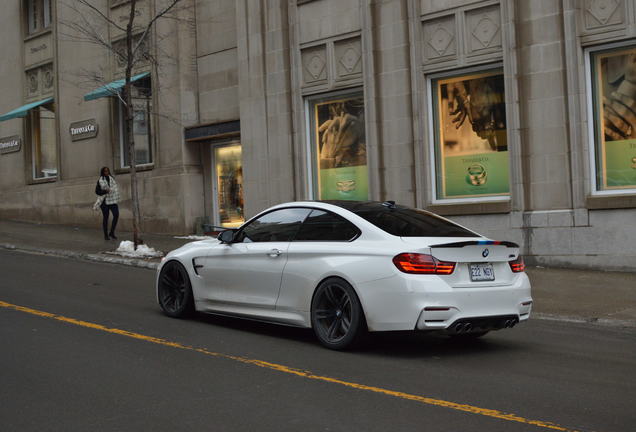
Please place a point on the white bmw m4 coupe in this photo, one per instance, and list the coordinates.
(346, 267)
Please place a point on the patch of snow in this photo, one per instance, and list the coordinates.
(194, 237)
(127, 248)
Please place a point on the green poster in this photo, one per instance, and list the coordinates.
(476, 174)
(615, 118)
(341, 149)
(472, 147)
(620, 164)
(347, 183)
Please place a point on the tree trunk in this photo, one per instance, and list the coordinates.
(130, 116)
(90, 31)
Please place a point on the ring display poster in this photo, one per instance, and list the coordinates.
(471, 149)
(615, 118)
(340, 149)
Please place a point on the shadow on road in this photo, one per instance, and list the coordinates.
(403, 344)
(427, 344)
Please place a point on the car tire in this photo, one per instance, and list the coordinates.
(337, 317)
(174, 290)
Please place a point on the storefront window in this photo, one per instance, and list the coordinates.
(141, 126)
(339, 148)
(614, 92)
(229, 185)
(38, 15)
(471, 150)
(46, 13)
(43, 141)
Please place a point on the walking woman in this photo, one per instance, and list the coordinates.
(108, 185)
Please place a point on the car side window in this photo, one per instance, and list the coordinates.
(322, 225)
(276, 226)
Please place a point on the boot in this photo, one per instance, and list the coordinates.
(113, 236)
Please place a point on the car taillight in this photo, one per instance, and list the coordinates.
(517, 266)
(415, 263)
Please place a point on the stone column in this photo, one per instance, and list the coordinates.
(265, 103)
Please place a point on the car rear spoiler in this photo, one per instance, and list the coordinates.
(476, 243)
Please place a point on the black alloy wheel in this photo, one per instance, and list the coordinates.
(174, 290)
(336, 314)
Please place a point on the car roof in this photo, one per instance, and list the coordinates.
(355, 206)
(355, 210)
(352, 206)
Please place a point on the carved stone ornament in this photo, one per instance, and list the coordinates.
(602, 10)
(142, 55)
(33, 83)
(119, 51)
(314, 64)
(47, 77)
(350, 59)
(485, 31)
(440, 40)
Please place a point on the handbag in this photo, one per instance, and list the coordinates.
(98, 189)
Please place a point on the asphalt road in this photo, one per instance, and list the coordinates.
(85, 347)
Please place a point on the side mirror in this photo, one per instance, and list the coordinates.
(226, 236)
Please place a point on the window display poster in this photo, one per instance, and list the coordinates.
(615, 95)
(229, 185)
(340, 149)
(471, 149)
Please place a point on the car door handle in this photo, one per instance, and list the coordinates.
(274, 253)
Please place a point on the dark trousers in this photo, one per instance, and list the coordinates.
(114, 209)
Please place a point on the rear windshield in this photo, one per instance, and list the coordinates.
(408, 222)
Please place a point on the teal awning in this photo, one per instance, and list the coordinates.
(24, 109)
(111, 89)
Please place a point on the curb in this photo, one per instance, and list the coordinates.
(131, 262)
(605, 322)
(140, 263)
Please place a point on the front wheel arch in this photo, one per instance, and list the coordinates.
(174, 290)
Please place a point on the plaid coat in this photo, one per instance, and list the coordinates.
(112, 197)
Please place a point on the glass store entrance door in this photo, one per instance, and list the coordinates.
(228, 185)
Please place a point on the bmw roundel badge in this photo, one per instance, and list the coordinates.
(485, 253)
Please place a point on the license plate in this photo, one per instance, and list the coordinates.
(482, 272)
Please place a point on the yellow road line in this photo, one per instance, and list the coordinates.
(301, 373)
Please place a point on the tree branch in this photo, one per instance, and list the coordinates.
(98, 12)
(166, 10)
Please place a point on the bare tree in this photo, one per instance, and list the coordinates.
(91, 26)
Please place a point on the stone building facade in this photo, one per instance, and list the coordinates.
(515, 118)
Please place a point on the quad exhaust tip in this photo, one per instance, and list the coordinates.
(510, 323)
(465, 327)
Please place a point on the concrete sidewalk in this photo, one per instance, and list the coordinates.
(79, 242)
(587, 296)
